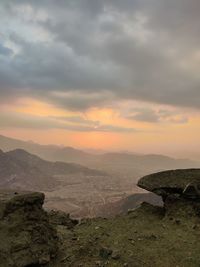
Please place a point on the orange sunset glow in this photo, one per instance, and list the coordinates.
(168, 135)
(131, 84)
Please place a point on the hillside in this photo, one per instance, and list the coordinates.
(20, 169)
(98, 189)
(69, 187)
(126, 204)
(47, 152)
(126, 165)
(149, 236)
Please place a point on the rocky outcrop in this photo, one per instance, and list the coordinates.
(57, 217)
(26, 236)
(184, 183)
(179, 189)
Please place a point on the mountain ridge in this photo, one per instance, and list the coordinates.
(22, 169)
(70, 154)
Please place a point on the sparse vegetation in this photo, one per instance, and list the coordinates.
(149, 236)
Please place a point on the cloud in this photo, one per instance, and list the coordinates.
(76, 119)
(151, 115)
(5, 51)
(97, 52)
(21, 120)
(146, 115)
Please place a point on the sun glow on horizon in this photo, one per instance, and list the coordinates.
(105, 128)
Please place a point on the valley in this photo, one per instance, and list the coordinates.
(82, 184)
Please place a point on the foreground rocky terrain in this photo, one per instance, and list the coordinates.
(26, 236)
(148, 236)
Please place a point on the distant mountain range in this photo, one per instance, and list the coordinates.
(20, 169)
(96, 190)
(125, 164)
(47, 152)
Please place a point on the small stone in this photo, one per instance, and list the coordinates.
(44, 260)
(99, 264)
(115, 255)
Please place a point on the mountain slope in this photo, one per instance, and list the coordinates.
(48, 152)
(128, 203)
(21, 169)
(116, 163)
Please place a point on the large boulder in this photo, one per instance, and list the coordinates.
(26, 236)
(183, 182)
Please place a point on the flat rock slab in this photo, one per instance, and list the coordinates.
(172, 182)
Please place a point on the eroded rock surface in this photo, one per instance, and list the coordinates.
(26, 237)
(61, 218)
(184, 183)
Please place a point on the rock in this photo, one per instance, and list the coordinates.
(180, 208)
(191, 191)
(26, 236)
(99, 263)
(115, 255)
(61, 218)
(184, 183)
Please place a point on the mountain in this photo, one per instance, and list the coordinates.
(23, 170)
(48, 152)
(129, 164)
(132, 165)
(82, 191)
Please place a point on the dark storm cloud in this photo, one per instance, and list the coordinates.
(101, 51)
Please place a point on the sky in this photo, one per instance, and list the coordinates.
(111, 75)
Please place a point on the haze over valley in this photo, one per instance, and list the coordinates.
(80, 183)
